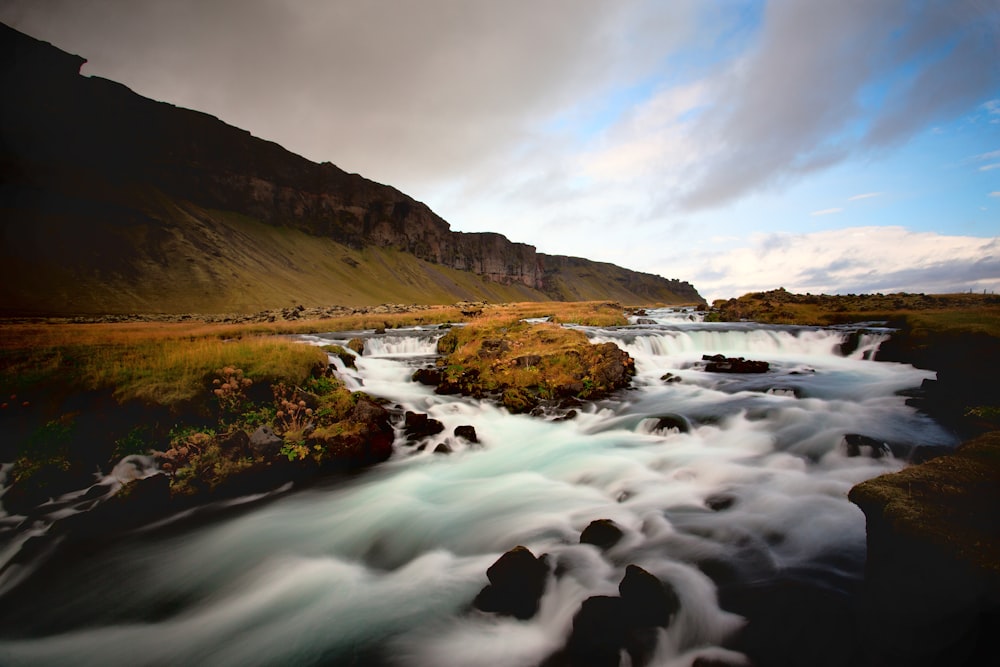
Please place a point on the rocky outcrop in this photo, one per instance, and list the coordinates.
(932, 578)
(80, 152)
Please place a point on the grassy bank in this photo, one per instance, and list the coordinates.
(77, 397)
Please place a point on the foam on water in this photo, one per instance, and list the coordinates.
(382, 567)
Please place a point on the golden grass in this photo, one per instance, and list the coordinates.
(166, 363)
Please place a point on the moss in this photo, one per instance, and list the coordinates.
(528, 363)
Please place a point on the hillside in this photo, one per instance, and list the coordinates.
(112, 202)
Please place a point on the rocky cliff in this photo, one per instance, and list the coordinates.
(84, 153)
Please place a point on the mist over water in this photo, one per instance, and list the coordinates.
(382, 567)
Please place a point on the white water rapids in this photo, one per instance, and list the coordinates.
(381, 567)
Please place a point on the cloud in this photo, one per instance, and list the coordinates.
(409, 93)
(990, 167)
(827, 211)
(995, 193)
(825, 81)
(867, 195)
(858, 259)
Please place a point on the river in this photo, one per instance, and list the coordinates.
(381, 567)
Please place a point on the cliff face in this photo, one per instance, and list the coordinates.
(87, 151)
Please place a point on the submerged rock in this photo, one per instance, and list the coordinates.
(517, 582)
(718, 363)
(602, 533)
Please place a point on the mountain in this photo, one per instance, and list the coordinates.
(112, 202)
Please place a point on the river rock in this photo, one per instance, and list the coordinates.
(517, 582)
(357, 345)
(378, 434)
(670, 420)
(645, 320)
(648, 601)
(428, 376)
(265, 442)
(602, 533)
(443, 448)
(467, 432)
(418, 425)
(598, 635)
(718, 363)
(856, 444)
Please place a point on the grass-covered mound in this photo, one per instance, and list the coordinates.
(956, 335)
(523, 364)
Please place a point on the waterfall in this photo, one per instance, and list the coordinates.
(381, 568)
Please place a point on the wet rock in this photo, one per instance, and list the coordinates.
(428, 376)
(467, 432)
(670, 420)
(602, 533)
(598, 635)
(718, 363)
(616, 367)
(720, 501)
(443, 448)
(648, 601)
(670, 378)
(517, 582)
(856, 444)
(645, 320)
(378, 429)
(235, 443)
(418, 425)
(265, 442)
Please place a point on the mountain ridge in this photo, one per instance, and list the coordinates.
(113, 201)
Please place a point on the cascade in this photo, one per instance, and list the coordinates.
(381, 568)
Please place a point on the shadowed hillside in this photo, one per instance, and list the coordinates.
(112, 202)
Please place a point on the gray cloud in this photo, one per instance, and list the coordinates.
(823, 83)
(406, 92)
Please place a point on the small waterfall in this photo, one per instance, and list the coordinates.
(389, 345)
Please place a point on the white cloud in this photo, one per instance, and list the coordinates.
(827, 211)
(995, 193)
(990, 167)
(858, 259)
(867, 195)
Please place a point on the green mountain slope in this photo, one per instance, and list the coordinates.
(111, 202)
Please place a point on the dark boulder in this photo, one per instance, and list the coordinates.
(670, 378)
(599, 630)
(517, 582)
(357, 345)
(419, 425)
(645, 320)
(719, 501)
(265, 442)
(648, 601)
(670, 421)
(428, 376)
(443, 448)
(602, 533)
(467, 432)
(856, 444)
(615, 368)
(718, 363)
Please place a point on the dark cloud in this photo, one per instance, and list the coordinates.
(827, 80)
(399, 91)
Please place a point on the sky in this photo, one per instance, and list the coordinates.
(741, 145)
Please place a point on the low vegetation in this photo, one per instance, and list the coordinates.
(915, 312)
(956, 335)
(524, 364)
(77, 397)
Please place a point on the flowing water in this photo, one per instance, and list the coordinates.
(381, 567)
